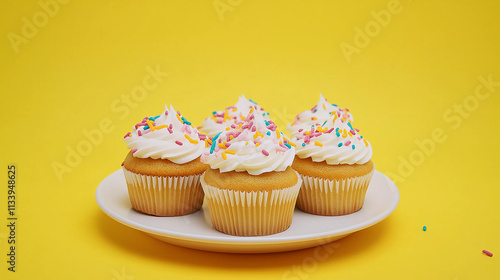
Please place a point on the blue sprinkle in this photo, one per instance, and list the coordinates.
(146, 127)
(336, 130)
(424, 228)
(340, 144)
(156, 117)
(252, 101)
(361, 137)
(216, 136)
(349, 124)
(288, 145)
(338, 134)
(212, 147)
(151, 119)
(353, 147)
(323, 124)
(303, 144)
(267, 123)
(334, 105)
(214, 112)
(268, 133)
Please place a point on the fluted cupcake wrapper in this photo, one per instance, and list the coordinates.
(253, 213)
(164, 195)
(333, 197)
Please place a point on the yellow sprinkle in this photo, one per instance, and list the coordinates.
(293, 124)
(278, 134)
(318, 144)
(246, 143)
(222, 145)
(343, 119)
(292, 144)
(179, 118)
(230, 152)
(324, 107)
(191, 140)
(257, 144)
(344, 134)
(307, 132)
(366, 143)
(150, 124)
(335, 118)
(242, 117)
(225, 115)
(281, 142)
(209, 141)
(231, 137)
(161, 126)
(206, 143)
(350, 134)
(314, 118)
(223, 154)
(228, 128)
(251, 110)
(320, 129)
(234, 109)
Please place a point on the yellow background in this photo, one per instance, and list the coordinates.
(403, 85)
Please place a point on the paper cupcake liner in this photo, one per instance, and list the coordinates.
(252, 213)
(333, 197)
(164, 196)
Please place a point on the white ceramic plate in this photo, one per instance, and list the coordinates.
(194, 231)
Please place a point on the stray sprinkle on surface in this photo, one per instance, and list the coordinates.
(424, 228)
(488, 253)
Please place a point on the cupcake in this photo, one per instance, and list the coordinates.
(222, 119)
(336, 168)
(250, 186)
(316, 116)
(163, 167)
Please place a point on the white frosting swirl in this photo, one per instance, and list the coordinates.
(222, 119)
(253, 145)
(335, 142)
(316, 116)
(166, 137)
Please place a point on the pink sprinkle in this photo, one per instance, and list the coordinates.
(122, 163)
(227, 145)
(251, 117)
(300, 130)
(147, 131)
(170, 130)
(183, 128)
(127, 135)
(166, 113)
(228, 138)
(338, 114)
(357, 129)
(188, 129)
(281, 149)
(178, 113)
(203, 157)
(202, 136)
(347, 143)
(237, 134)
(217, 148)
(145, 119)
(178, 143)
(487, 253)
(254, 129)
(233, 126)
(265, 152)
(329, 130)
(134, 150)
(353, 132)
(242, 135)
(139, 132)
(307, 138)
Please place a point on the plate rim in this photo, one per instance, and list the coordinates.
(247, 240)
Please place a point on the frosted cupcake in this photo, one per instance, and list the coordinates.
(163, 166)
(232, 114)
(250, 187)
(316, 116)
(335, 164)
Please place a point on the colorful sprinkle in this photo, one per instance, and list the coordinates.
(487, 253)
(192, 141)
(424, 228)
(178, 143)
(134, 150)
(223, 154)
(265, 152)
(318, 144)
(340, 144)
